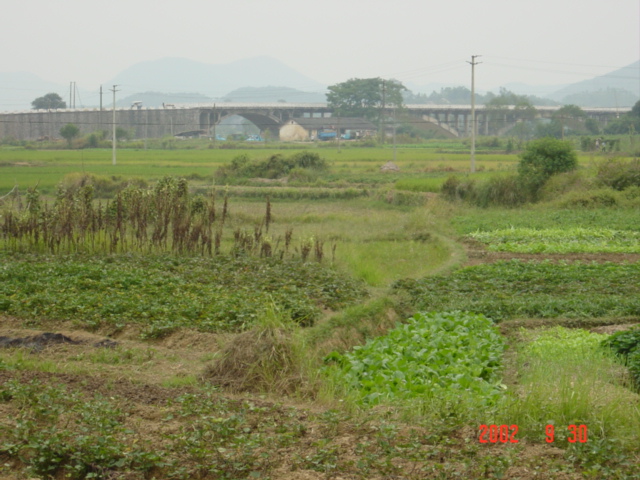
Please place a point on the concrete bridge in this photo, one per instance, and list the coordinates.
(200, 119)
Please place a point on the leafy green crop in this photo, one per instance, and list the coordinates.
(513, 289)
(560, 240)
(165, 292)
(487, 220)
(627, 345)
(430, 355)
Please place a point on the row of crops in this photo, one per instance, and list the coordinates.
(560, 240)
(453, 363)
(430, 356)
(455, 360)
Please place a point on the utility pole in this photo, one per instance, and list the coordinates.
(382, 121)
(100, 97)
(72, 94)
(113, 150)
(214, 125)
(473, 111)
(395, 154)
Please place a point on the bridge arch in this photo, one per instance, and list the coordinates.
(444, 127)
(264, 121)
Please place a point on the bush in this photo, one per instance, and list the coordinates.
(309, 160)
(276, 166)
(619, 174)
(497, 190)
(543, 158)
(454, 188)
(500, 190)
(603, 197)
(627, 345)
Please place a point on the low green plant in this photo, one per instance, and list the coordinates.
(455, 354)
(517, 289)
(60, 432)
(487, 220)
(162, 293)
(626, 344)
(560, 240)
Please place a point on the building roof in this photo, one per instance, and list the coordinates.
(346, 123)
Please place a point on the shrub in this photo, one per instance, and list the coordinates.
(69, 132)
(454, 188)
(562, 183)
(500, 190)
(309, 160)
(619, 174)
(543, 158)
(303, 175)
(603, 197)
(627, 345)
(497, 190)
(276, 166)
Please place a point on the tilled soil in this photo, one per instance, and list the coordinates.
(477, 254)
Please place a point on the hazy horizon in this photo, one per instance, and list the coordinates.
(536, 43)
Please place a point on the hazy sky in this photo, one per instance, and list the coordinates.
(416, 41)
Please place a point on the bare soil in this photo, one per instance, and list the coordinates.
(478, 254)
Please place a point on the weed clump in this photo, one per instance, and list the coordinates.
(276, 166)
(267, 358)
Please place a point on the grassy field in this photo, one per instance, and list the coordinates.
(347, 327)
(46, 168)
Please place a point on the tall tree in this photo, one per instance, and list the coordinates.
(508, 108)
(365, 97)
(570, 116)
(50, 101)
(69, 132)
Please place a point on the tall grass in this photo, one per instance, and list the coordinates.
(162, 219)
(566, 378)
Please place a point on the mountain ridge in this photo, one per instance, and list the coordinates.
(263, 78)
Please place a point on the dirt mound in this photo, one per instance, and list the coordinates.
(46, 339)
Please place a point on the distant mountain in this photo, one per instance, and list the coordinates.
(609, 97)
(461, 95)
(19, 89)
(620, 88)
(535, 90)
(175, 75)
(273, 95)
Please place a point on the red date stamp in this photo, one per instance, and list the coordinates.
(507, 434)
